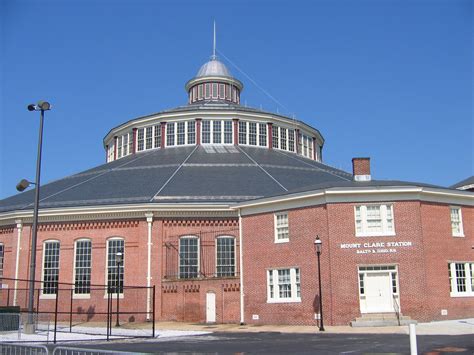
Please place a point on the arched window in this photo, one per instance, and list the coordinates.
(115, 266)
(82, 266)
(188, 257)
(225, 255)
(50, 267)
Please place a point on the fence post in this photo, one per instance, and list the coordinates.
(37, 302)
(56, 313)
(8, 297)
(109, 315)
(413, 346)
(153, 315)
(70, 313)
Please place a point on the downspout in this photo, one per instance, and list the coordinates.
(241, 262)
(19, 227)
(149, 220)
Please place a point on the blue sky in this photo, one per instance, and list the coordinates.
(387, 79)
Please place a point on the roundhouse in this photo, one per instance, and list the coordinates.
(218, 205)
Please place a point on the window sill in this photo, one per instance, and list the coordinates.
(295, 300)
(278, 241)
(461, 295)
(387, 234)
(47, 297)
(114, 296)
(458, 235)
(79, 296)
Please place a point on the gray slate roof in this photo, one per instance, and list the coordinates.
(191, 174)
(465, 182)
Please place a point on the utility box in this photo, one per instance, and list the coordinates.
(9, 318)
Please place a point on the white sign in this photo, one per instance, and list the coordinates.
(376, 247)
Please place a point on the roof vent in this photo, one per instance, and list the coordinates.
(361, 169)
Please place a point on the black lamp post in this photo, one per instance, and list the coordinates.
(318, 244)
(22, 185)
(118, 260)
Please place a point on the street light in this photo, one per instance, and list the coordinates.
(118, 261)
(318, 244)
(22, 185)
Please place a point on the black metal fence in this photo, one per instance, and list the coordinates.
(128, 307)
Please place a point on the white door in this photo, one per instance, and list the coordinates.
(378, 292)
(210, 307)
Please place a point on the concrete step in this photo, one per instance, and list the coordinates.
(381, 320)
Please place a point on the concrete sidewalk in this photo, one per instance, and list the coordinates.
(450, 327)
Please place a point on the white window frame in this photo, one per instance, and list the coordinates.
(42, 294)
(383, 215)
(469, 279)
(80, 295)
(121, 294)
(258, 142)
(187, 123)
(217, 259)
(222, 125)
(460, 233)
(273, 275)
(277, 227)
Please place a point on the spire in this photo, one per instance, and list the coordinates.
(214, 57)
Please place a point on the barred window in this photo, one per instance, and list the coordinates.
(2, 250)
(287, 283)
(188, 257)
(207, 91)
(115, 273)
(310, 148)
(242, 132)
(170, 134)
(228, 132)
(181, 132)
(262, 134)
(82, 268)
(157, 142)
(225, 256)
(252, 133)
(206, 131)
(228, 92)
(291, 140)
(149, 137)
(191, 132)
(217, 131)
(140, 139)
(275, 131)
(50, 267)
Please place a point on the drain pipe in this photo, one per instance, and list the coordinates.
(149, 220)
(19, 227)
(241, 262)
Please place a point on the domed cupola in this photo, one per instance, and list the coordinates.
(214, 82)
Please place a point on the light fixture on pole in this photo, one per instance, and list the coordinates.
(318, 245)
(118, 261)
(22, 185)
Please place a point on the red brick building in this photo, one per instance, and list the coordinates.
(218, 205)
